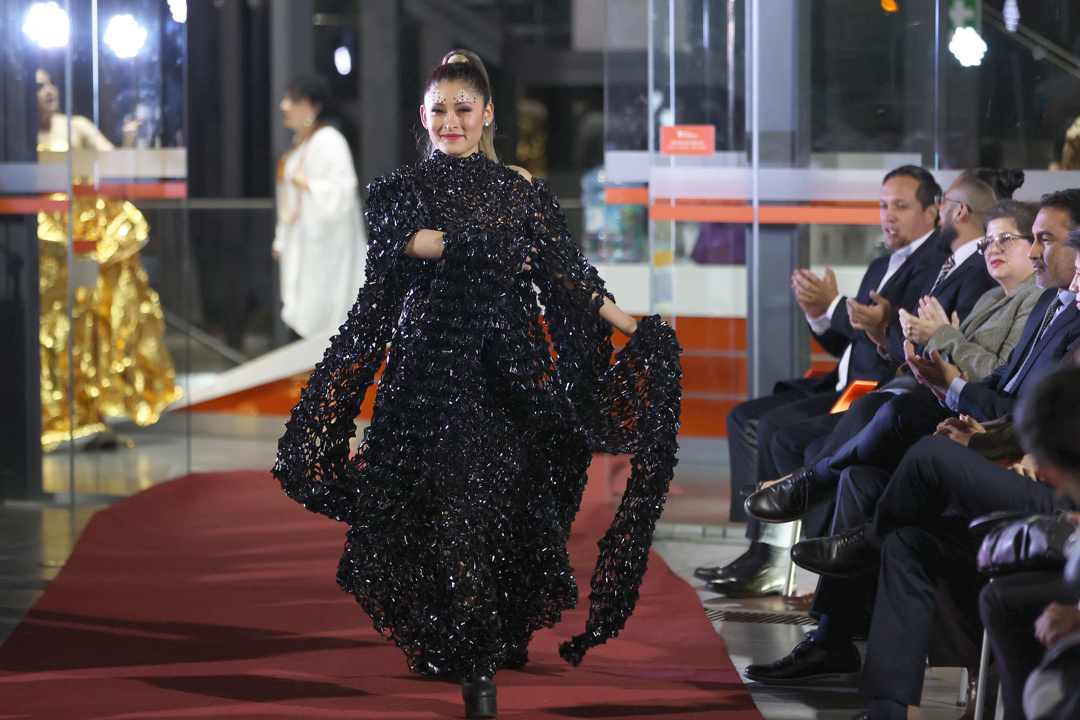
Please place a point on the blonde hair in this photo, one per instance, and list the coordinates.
(464, 66)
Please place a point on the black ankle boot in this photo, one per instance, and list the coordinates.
(479, 696)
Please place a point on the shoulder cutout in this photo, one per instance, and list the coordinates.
(521, 171)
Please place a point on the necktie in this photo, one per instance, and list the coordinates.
(949, 264)
(1047, 319)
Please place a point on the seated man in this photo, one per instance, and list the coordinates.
(1052, 328)
(1026, 613)
(915, 543)
(908, 218)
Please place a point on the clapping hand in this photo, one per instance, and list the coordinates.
(919, 329)
(872, 319)
(935, 372)
(814, 294)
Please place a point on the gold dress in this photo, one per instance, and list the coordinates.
(122, 369)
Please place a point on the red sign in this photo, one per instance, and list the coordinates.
(687, 140)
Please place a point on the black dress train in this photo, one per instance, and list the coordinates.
(461, 496)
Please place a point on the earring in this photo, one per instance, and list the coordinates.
(309, 121)
(487, 124)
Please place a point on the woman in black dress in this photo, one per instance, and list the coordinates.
(461, 496)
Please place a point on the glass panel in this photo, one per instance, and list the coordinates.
(109, 376)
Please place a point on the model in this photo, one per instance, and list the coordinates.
(461, 496)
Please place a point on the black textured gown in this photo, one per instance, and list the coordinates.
(461, 495)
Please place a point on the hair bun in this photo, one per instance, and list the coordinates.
(1011, 180)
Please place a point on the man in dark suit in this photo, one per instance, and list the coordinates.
(843, 601)
(1013, 605)
(908, 205)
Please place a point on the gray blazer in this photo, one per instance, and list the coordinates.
(990, 332)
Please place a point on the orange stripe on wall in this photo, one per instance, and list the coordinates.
(31, 205)
(626, 196)
(768, 214)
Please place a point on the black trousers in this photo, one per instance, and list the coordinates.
(920, 545)
(896, 425)
(811, 440)
(1008, 607)
(752, 424)
(913, 561)
(852, 598)
(939, 474)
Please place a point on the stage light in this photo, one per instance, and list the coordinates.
(1012, 15)
(967, 46)
(178, 8)
(124, 36)
(47, 25)
(889, 6)
(343, 60)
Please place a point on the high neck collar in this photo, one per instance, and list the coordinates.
(441, 157)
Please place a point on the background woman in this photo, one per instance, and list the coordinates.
(320, 240)
(461, 496)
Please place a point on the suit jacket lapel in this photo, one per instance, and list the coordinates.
(1030, 327)
(913, 263)
(1060, 325)
(966, 269)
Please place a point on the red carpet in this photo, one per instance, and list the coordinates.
(213, 596)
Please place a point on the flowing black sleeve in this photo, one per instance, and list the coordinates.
(631, 406)
(313, 463)
(572, 293)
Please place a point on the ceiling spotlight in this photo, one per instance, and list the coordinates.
(1012, 15)
(889, 6)
(47, 25)
(178, 8)
(967, 46)
(124, 36)
(343, 60)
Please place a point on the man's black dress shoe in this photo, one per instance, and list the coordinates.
(479, 696)
(791, 498)
(766, 578)
(846, 554)
(808, 661)
(742, 567)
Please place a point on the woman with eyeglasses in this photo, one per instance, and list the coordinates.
(986, 337)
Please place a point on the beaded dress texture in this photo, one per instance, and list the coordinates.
(461, 496)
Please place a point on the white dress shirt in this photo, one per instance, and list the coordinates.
(821, 324)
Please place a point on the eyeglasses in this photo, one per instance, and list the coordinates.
(1002, 241)
(946, 198)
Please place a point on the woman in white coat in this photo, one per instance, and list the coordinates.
(320, 240)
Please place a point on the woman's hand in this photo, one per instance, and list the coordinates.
(425, 245)
(931, 316)
(299, 178)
